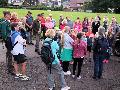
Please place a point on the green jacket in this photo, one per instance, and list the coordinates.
(5, 28)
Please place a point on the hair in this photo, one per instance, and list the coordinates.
(48, 19)
(50, 33)
(66, 29)
(13, 25)
(14, 14)
(39, 15)
(79, 35)
(6, 13)
(101, 31)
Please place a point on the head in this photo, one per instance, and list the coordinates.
(39, 16)
(7, 15)
(29, 13)
(101, 31)
(79, 35)
(42, 14)
(67, 29)
(50, 33)
(64, 21)
(48, 19)
(14, 15)
(50, 15)
(15, 26)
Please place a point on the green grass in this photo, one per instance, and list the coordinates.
(56, 14)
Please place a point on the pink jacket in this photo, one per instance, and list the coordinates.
(79, 49)
(49, 25)
(77, 27)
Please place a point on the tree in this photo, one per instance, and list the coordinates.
(103, 5)
(3, 3)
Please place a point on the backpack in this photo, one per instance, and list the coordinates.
(102, 45)
(8, 43)
(46, 54)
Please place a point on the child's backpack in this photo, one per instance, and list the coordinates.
(102, 45)
(8, 43)
(47, 55)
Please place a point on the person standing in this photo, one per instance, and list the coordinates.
(66, 52)
(18, 52)
(29, 22)
(5, 31)
(85, 25)
(95, 25)
(105, 23)
(37, 30)
(100, 50)
(56, 67)
(79, 52)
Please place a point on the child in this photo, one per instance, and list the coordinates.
(79, 52)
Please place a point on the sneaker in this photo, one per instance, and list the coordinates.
(65, 73)
(68, 72)
(65, 88)
(24, 78)
(73, 76)
(18, 75)
(79, 77)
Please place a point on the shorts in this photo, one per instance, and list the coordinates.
(89, 48)
(20, 58)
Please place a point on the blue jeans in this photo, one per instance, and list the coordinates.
(58, 69)
(98, 65)
(29, 37)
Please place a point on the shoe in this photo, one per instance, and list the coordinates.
(24, 78)
(73, 76)
(52, 88)
(31, 43)
(65, 88)
(94, 77)
(18, 75)
(65, 73)
(68, 72)
(79, 77)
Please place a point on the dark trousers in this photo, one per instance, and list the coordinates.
(78, 61)
(43, 29)
(98, 65)
(65, 66)
(10, 67)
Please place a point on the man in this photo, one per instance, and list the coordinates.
(29, 22)
(69, 22)
(37, 31)
(5, 31)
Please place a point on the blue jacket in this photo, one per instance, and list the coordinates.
(55, 48)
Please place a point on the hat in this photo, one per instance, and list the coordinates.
(29, 12)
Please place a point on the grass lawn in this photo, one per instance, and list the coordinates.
(56, 14)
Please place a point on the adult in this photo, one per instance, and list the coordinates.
(14, 17)
(37, 31)
(100, 50)
(85, 25)
(95, 25)
(49, 24)
(18, 52)
(43, 28)
(5, 31)
(77, 26)
(29, 22)
(50, 33)
(69, 22)
(52, 20)
(60, 20)
(66, 53)
(64, 23)
(79, 52)
(105, 22)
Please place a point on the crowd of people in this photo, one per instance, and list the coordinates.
(72, 42)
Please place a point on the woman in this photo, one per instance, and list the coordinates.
(79, 52)
(66, 53)
(18, 52)
(50, 33)
(100, 50)
(77, 26)
(85, 25)
(49, 24)
(14, 18)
